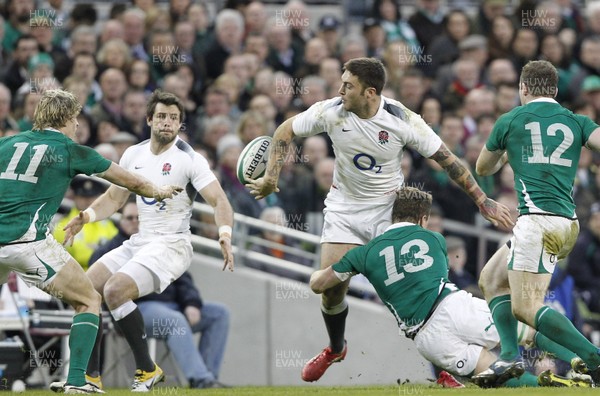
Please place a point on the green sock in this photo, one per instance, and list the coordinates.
(559, 329)
(527, 379)
(506, 324)
(81, 342)
(559, 351)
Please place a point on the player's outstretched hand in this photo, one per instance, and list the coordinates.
(72, 228)
(496, 213)
(165, 192)
(227, 251)
(261, 187)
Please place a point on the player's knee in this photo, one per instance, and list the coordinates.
(112, 294)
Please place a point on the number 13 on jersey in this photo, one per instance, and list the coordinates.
(419, 260)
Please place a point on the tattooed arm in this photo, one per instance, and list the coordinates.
(493, 211)
(267, 184)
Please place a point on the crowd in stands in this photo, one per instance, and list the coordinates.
(242, 69)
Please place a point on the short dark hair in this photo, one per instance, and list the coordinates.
(369, 71)
(166, 98)
(411, 204)
(540, 77)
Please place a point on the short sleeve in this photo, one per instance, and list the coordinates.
(86, 160)
(421, 137)
(497, 139)
(201, 175)
(312, 121)
(587, 125)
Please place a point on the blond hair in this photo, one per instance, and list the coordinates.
(55, 109)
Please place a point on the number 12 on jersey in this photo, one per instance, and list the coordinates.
(539, 154)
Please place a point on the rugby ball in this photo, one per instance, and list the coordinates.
(252, 162)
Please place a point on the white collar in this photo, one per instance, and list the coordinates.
(547, 100)
(399, 225)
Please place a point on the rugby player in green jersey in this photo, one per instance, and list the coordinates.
(36, 168)
(408, 267)
(542, 141)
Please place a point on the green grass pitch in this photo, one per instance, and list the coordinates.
(404, 390)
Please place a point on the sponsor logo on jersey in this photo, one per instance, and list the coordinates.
(384, 137)
(166, 169)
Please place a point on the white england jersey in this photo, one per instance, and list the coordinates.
(180, 165)
(368, 152)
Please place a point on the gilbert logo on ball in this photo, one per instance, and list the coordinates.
(252, 162)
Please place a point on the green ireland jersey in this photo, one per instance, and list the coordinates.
(408, 267)
(543, 141)
(36, 168)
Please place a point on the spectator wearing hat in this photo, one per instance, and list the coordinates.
(584, 261)
(329, 31)
(591, 92)
(85, 191)
(40, 71)
(375, 36)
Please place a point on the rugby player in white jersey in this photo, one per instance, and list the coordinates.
(161, 251)
(369, 133)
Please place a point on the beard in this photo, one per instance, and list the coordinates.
(162, 139)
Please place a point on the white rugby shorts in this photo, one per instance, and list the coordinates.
(453, 337)
(540, 241)
(37, 263)
(165, 256)
(357, 222)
